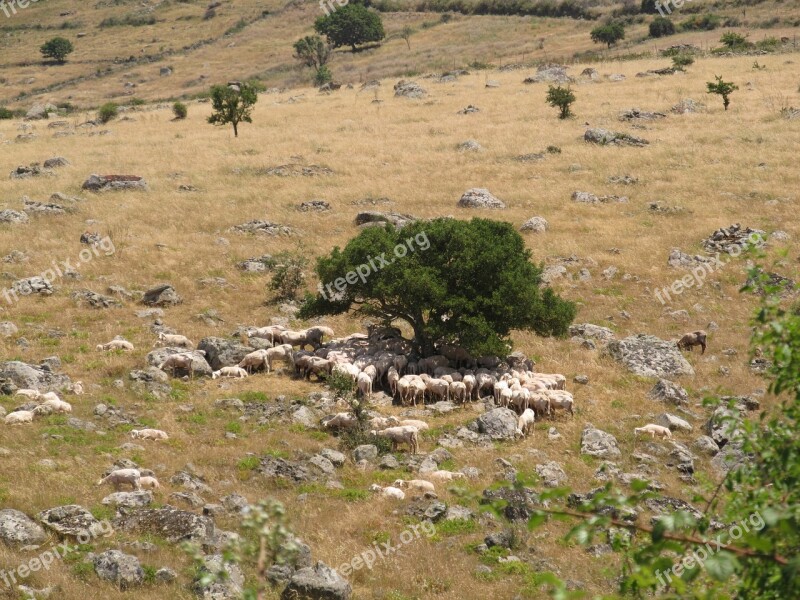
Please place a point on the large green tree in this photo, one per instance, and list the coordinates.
(468, 283)
(232, 104)
(351, 25)
(57, 48)
(609, 33)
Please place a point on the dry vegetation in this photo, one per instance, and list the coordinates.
(721, 167)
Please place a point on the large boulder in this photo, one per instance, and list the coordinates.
(667, 391)
(129, 499)
(123, 570)
(604, 137)
(649, 356)
(498, 424)
(480, 198)
(70, 521)
(102, 183)
(409, 89)
(18, 530)
(13, 217)
(319, 582)
(199, 364)
(170, 523)
(535, 225)
(161, 295)
(552, 474)
(591, 331)
(598, 443)
(229, 588)
(672, 422)
(26, 376)
(223, 353)
(549, 73)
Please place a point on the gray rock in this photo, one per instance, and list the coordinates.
(600, 444)
(306, 417)
(123, 570)
(265, 228)
(12, 216)
(161, 295)
(258, 264)
(535, 225)
(469, 146)
(734, 239)
(549, 73)
(687, 106)
(319, 582)
(32, 285)
(368, 452)
(165, 575)
(235, 503)
(458, 513)
(667, 391)
(706, 445)
(170, 523)
(18, 530)
(230, 588)
(98, 183)
(69, 521)
(552, 474)
(591, 331)
(604, 137)
(8, 329)
(581, 379)
(480, 198)
(388, 462)
(199, 365)
(25, 376)
(55, 162)
(498, 424)
(337, 458)
(649, 356)
(323, 464)
(672, 422)
(501, 539)
(129, 499)
(94, 300)
(221, 352)
(374, 218)
(409, 89)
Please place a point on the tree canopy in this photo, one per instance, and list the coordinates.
(351, 25)
(232, 104)
(57, 48)
(467, 283)
(608, 34)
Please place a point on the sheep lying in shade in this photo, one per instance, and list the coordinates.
(149, 483)
(19, 417)
(120, 477)
(149, 434)
(388, 492)
(233, 372)
(400, 435)
(417, 485)
(654, 430)
(124, 345)
(174, 341)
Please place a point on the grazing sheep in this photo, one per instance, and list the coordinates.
(421, 425)
(469, 381)
(400, 363)
(119, 477)
(294, 338)
(419, 485)
(562, 400)
(392, 377)
(690, 340)
(314, 335)
(526, 421)
(444, 475)
(540, 404)
(149, 483)
(174, 362)
(233, 372)
(269, 333)
(438, 388)
(364, 383)
(384, 422)
(149, 434)
(342, 420)
(458, 392)
(417, 391)
(388, 492)
(347, 369)
(255, 360)
(53, 406)
(320, 367)
(175, 341)
(283, 352)
(19, 417)
(520, 399)
(32, 394)
(654, 430)
(124, 345)
(400, 435)
(505, 397)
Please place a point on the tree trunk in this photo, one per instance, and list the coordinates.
(235, 129)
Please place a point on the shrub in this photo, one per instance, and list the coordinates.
(323, 75)
(561, 98)
(649, 7)
(108, 111)
(679, 61)
(5, 113)
(180, 110)
(722, 88)
(705, 22)
(288, 275)
(661, 26)
(735, 41)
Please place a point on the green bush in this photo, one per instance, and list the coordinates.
(661, 26)
(180, 110)
(108, 111)
(679, 61)
(288, 275)
(323, 76)
(705, 22)
(5, 113)
(735, 41)
(561, 98)
(58, 48)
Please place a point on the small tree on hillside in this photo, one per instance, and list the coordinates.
(351, 25)
(468, 283)
(313, 52)
(58, 48)
(561, 98)
(608, 34)
(661, 26)
(722, 88)
(406, 34)
(232, 104)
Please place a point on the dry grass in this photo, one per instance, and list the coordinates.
(722, 167)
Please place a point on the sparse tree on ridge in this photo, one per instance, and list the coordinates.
(57, 48)
(232, 103)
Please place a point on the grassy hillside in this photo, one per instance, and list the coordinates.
(718, 167)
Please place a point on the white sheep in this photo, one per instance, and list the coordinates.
(19, 417)
(420, 425)
(526, 421)
(117, 344)
(32, 394)
(364, 383)
(119, 477)
(178, 361)
(444, 475)
(393, 376)
(53, 405)
(415, 484)
(469, 381)
(651, 428)
(149, 483)
(560, 399)
(234, 372)
(175, 341)
(383, 422)
(342, 420)
(438, 388)
(255, 360)
(402, 434)
(149, 434)
(458, 392)
(388, 492)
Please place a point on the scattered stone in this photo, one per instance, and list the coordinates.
(295, 170)
(230, 587)
(33, 285)
(17, 530)
(409, 89)
(552, 474)
(101, 183)
(314, 206)
(635, 113)
(161, 295)
(667, 391)
(34, 170)
(734, 240)
(623, 179)
(480, 198)
(55, 162)
(123, 570)
(12, 216)
(70, 521)
(170, 523)
(598, 443)
(687, 106)
(589, 198)
(672, 422)
(549, 73)
(469, 146)
(535, 225)
(319, 582)
(372, 219)
(604, 137)
(94, 300)
(581, 379)
(706, 445)
(498, 424)
(129, 499)
(591, 331)
(260, 227)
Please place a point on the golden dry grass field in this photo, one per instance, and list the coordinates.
(721, 167)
